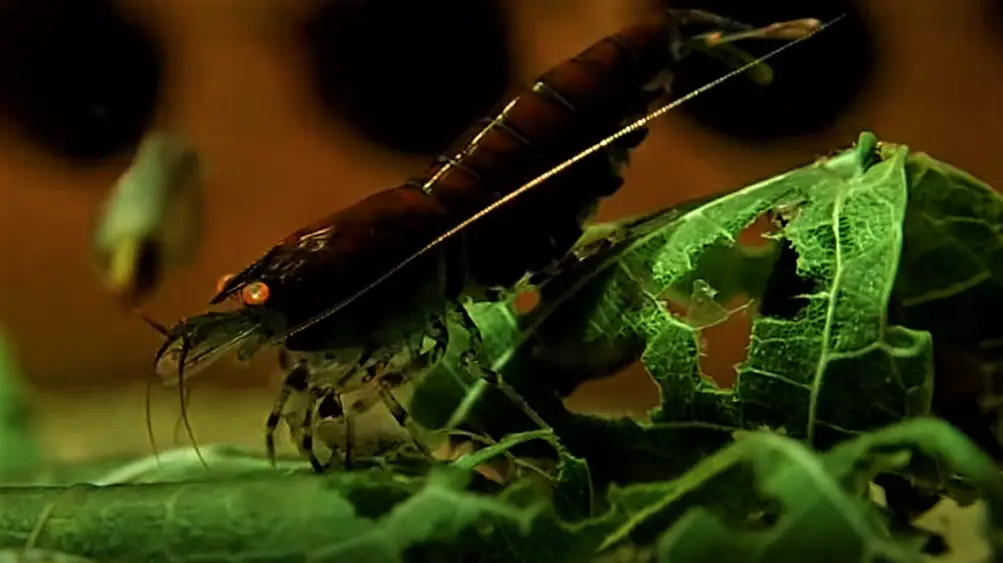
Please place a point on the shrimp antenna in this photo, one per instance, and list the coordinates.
(148, 391)
(182, 358)
(148, 405)
(161, 328)
(808, 29)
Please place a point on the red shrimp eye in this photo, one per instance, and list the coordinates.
(223, 280)
(254, 293)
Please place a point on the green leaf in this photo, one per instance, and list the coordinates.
(952, 259)
(806, 374)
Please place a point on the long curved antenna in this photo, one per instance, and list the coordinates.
(150, 321)
(182, 358)
(148, 405)
(148, 391)
(643, 121)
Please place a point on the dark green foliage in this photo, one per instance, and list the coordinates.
(882, 259)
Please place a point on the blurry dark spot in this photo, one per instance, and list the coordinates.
(392, 379)
(813, 82)
(76, 77)
(992, 18)
(765, 518)
(936, 545)
(330, 407)
(408, 75)
(299, 379)
(964, 381)
(905, 501)
(147, 267)
(782, 297)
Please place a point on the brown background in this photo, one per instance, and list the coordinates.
(236, 86)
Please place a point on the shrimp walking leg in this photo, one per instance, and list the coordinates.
(295, 381)
(470, 360)
(332, 407)
(402, 417)
(306, 442)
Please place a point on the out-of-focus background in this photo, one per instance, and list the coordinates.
(301, 106)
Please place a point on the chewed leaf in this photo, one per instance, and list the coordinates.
(808, 374)
(809, 363)
(804, 373)
(613, 303)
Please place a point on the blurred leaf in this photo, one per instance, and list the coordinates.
(39, 556)
(764, 498)
(371, 515)
(209, 520)
(951, 283)
(768, 498)
(20, 453)
(952, 259)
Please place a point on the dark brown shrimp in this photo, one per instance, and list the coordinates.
(390, 328)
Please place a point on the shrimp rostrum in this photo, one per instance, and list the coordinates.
(325, 293)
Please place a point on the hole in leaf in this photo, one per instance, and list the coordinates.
(76, 77)
(813, 82)
(718, 297)
(631, 392)
(724, 336)
(408, 75)
(729, 281)
(784, 289)
(755, 235)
